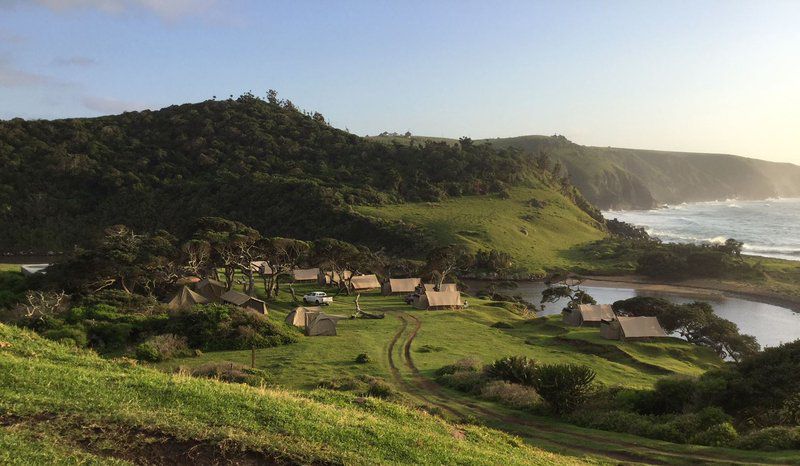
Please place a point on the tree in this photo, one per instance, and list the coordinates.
(563, 386)
(339, 256)
(233, 246)
(282, 255)
(448, 260)
(566, 287)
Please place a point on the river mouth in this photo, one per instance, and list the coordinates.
(771, 325)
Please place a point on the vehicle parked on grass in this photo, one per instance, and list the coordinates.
(320, 298)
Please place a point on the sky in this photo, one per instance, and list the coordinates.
(700, 76)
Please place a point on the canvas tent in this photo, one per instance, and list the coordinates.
(261, 267)
(439, 300)
(400, 285)
(625, 328)
(33, 269)
(332, 278)
(210, 289)
(365, 282)
(444, 287)
(242, 300)
(589, 315)
(313, 321)
(305, 275)
(186, 298)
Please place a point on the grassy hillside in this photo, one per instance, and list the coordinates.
(537, 238)
(79, 406)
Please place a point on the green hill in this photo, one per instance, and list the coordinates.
(80, 407)
(260, 162)
(633, 178)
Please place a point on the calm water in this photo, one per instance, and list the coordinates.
(767, 228)
(771, 325)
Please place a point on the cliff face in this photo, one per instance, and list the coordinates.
(614, 178)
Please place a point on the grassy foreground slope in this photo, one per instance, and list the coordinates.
(116, 408)
(537, 238)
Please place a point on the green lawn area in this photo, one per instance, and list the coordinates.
(446, 336)
(538, 238)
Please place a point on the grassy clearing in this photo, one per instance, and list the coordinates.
(538, 238)
(446, 336)
(43, 378)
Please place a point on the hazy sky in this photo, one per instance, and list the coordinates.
(696, 76)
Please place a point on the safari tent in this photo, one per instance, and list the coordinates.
(299, 315)
(332, 278)
(365, 282)
(400, 285)
(242, 300)
(210, 289)
(33, 269)
(589, 315)
(186, 298)
(627, 328)
(305, 275)
(439, 300)
(313, 321)
(444, 287)
(261, 267)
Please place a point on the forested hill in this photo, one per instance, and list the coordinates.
(261, 162)
(631, 178)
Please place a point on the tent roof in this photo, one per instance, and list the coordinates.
(209, 282)
(186, 297)
(596, 312)
(299, 315)
(641, 327)
(365, 282)
(403, 285)
(444, 287)
(305, 274)
(234, 297)
(443, 298)
(261, 267)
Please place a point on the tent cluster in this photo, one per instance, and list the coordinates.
(209, 290)
(313, 321)
(614, 327)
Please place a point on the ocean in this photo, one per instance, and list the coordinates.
(768, 228)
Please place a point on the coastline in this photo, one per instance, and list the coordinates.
(697, 287)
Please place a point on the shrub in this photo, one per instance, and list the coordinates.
(511, 394)
(119, 299)
(162, 348)
(515, 369)
(231, 372)
(563, 386)
(719, 435)
(68, 334)
(670, 395)
(362, 358)
(429, 349)
(462, 365)
(501, 324)
(363, 385)
(108, 336)
(771, 438)
(465, 381)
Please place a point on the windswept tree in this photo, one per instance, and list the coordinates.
(566, 287)
(339, 256)
(282, 255)
(233, 246)
(448, 260)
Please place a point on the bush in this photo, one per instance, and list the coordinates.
(670, 395)
(362, 358)
(511, 394)
(563, 386)
(515, 369)
(162, 348)
(119, 299)
(218, 327)
(68, 334)
(719, 435)
(771, 438)
(108, 336)
(462, 365)
(363, 385)
(231, 372)
(466, 381)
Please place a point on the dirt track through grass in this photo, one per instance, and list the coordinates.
(541, 433)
